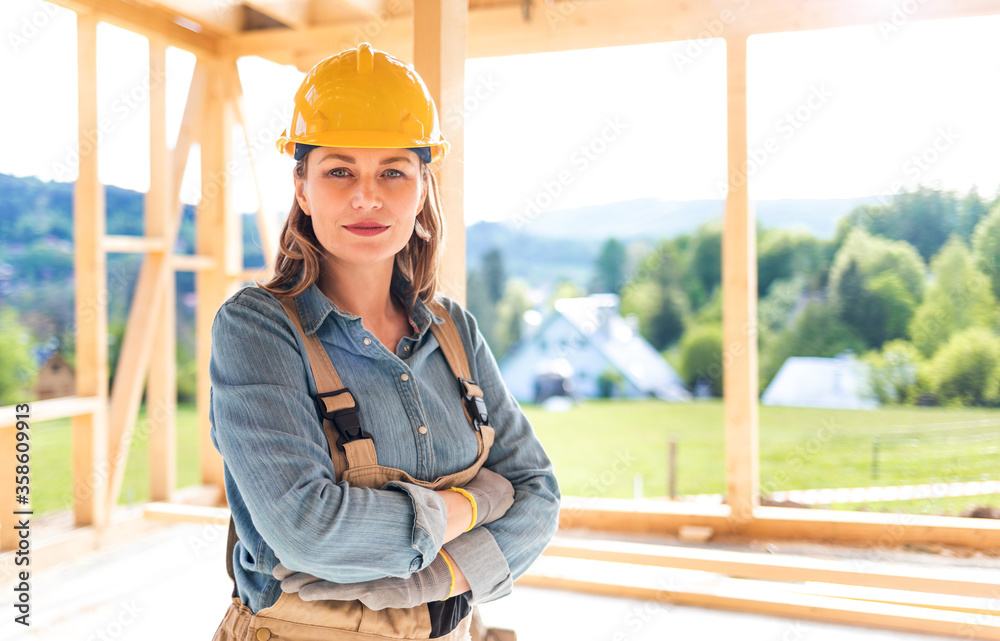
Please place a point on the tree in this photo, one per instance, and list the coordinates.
(959, 297)
(17, 367)
(477, 301)
(925, 218)
(784, 253)
(610, 267)
(494, 275)
(509, 315)
(701, 357)
(875, 285)
(971, 211)
(967, 369)
(668, 321)
(986, 247)
(894, 371)
(706, 260)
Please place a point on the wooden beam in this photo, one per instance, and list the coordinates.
(739, 301)
(53, 408)
(776, 567)
(192, 263)
(133, 244)
(127, 525)
(218, 230)
(292, 13)
(90, 430)
(9, 538)
(152, 21)
(500, 30)
(161, 395)
(178, 513)
(740, 596)
(439, 28)
(355, 10)
(779, 523)
(147, 301)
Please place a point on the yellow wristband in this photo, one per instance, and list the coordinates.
(452, 572)
(471, 500)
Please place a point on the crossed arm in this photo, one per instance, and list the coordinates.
(261, 404)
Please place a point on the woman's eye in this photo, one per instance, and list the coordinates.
(339, 172)
(394, 173)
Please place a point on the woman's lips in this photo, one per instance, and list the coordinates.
(365, 230)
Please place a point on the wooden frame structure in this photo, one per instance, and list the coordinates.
(437, 35)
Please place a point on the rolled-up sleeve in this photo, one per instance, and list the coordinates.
(493, 555)
(265, 425)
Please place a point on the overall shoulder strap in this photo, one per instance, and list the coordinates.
(335, 402)
(454, 352)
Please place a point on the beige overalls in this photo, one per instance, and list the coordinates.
(353, 453)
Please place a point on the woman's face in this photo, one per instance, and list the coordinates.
(344, 187)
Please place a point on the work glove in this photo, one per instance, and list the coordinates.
(433, 583)
(491, 496)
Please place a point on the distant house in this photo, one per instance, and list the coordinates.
(582, 342)
(56, 379)
(830, 383)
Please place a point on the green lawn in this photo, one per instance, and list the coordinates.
(598, 447)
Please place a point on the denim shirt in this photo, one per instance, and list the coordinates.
(279, 476)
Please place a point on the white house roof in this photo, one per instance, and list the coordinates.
(834, 383)
(596, 317)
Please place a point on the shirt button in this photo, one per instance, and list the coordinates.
(422, 429)
(404, 376)
(367, 341)
(406, 347)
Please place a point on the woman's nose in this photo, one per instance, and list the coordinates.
(366, 194)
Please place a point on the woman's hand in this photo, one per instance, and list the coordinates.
(438, 581)
(484, 499)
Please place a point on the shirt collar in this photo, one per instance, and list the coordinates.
(314, 307)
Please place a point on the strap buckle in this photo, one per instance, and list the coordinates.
(346, 420)
(475, 405)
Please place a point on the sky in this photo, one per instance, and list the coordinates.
(833, 113)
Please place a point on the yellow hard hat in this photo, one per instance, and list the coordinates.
(364, 97)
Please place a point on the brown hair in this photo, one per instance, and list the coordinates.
(300, 252)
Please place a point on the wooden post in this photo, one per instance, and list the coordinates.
(739, 301)
(161, 394)
(8, 498)
(439, 48)
(90, 431)
(218, 233)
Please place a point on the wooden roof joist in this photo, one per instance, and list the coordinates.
(307, 31)
(152, 21)
(500, 29)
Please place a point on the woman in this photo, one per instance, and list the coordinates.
(382, 479)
